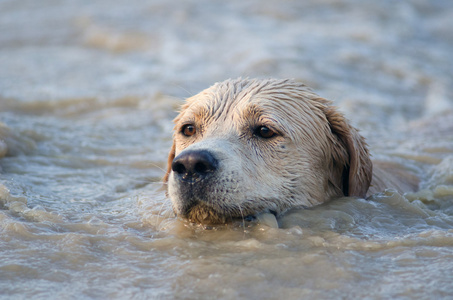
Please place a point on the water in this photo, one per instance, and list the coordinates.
(87, 94)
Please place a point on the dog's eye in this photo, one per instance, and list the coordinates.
(264, 132)
(188, 130)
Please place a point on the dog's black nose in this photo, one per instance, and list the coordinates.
(194, 165)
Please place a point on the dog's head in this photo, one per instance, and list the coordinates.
(243, 147)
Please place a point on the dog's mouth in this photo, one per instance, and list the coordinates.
(202, 213)
(201, 203)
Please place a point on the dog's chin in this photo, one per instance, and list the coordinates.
(203, 214)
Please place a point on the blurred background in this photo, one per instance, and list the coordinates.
(393, 50)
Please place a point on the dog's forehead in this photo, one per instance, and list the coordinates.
(244, 96)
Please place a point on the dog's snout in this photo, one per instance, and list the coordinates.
(194, 165)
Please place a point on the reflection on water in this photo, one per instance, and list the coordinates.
(87, 95)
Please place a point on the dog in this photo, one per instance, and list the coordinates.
(249, 146)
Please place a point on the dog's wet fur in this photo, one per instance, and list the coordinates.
(246, 146)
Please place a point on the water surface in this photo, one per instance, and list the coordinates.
(87, 94)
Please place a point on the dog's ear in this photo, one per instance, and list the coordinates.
(350, 153)
(171, 157)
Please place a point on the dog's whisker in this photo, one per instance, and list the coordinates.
(243, 219)
(156, 166)
(189, 93)
(159, 213)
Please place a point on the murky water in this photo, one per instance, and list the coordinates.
(88, 90)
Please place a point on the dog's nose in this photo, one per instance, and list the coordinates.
(194, 165)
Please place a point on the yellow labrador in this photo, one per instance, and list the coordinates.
(244, 147)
